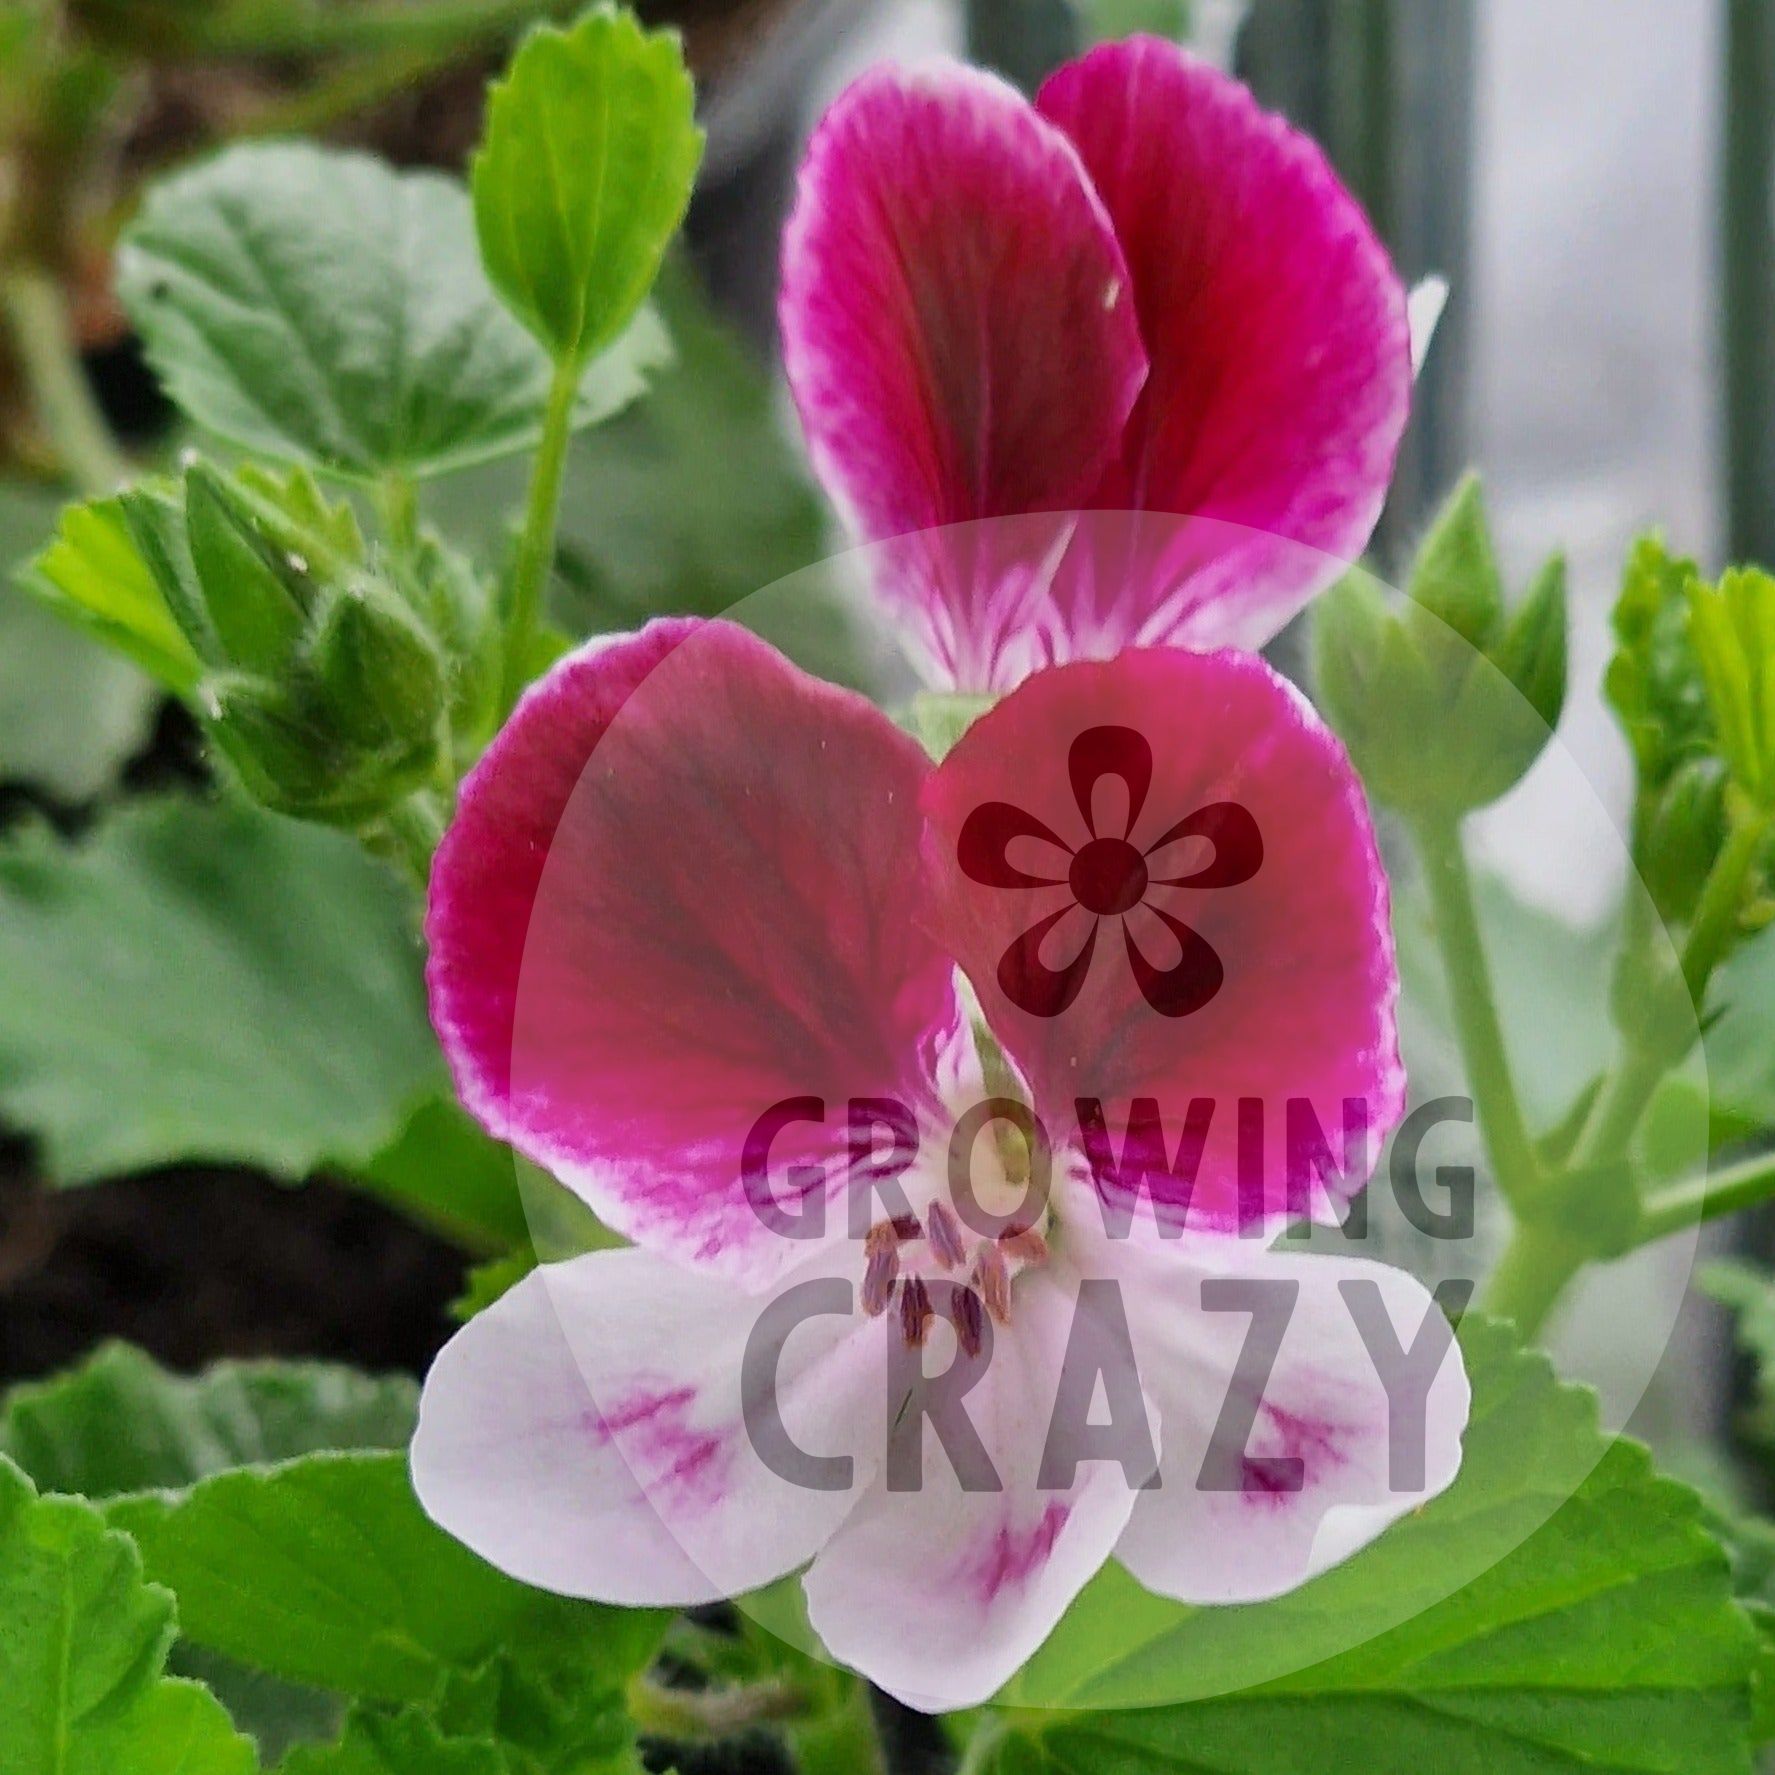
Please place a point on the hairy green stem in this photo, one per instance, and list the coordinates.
(397, 500)
(414, 829)
(439, 25)
(712, 1713)
(1477, 1026)
(1541, 1260)
(536, 542)
(37, 319)
(1715, 925)
(1628, 1092)
(1746, 1184)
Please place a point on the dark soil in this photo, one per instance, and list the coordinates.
(195, 1265)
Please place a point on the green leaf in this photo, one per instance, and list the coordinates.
(565, 1721)
(399, 1744)
(583, 176)
(310, 303)
(120, 1422)
(444, 1166)
(1560, 1606)
(325, 1570)
(71, 713)
(211, 983)
(94, 574)
(83, 1642)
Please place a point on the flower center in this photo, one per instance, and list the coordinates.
(1108, 876)
(937, 1265)
(962, 1257)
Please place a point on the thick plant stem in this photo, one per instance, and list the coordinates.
(1537, 1265)
(37, 319)
(1481, 1036)
(536, 543)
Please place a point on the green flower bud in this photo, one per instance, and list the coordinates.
(324, 689)
(1447, 701)
(1693, 684)
(256, 594)
(1732, 628)
(1679, 829)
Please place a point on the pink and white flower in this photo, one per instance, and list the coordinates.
(702, 946)
(1139, 294)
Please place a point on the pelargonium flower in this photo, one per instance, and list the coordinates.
(700, 945)
(1141, 293)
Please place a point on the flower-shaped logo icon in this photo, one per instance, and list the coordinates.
(1110, 876)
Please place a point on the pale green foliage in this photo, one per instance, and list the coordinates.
(311, 303)
(583, 176)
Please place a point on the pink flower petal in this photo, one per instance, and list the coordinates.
(1330, 1456)
(956, 331)
(1221, 1105)
(675, 897)
(586, 1433)
(940, 1593)
(1281, 356)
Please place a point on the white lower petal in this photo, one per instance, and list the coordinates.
(940, 1594)
(587, 1434)
(1334, 1452)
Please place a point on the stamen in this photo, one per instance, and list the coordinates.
(944, 1232)
(879, 1276)
(1025, 1243)
(886, 1234)
(969, 1319)
(915, 1312)
(992, 1275)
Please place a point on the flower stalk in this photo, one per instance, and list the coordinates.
(37, 320)
(536, 541)
(1481, 1035)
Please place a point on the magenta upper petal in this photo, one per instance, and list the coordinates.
(1280, 355)
(671, 938)
(1224, 1052)
(957, 328)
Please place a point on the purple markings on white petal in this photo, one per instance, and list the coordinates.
(1300, 1450)
(1017, 1555)
(673, 1460)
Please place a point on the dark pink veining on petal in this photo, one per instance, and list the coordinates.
(1018, 1552)
(674, 1461)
